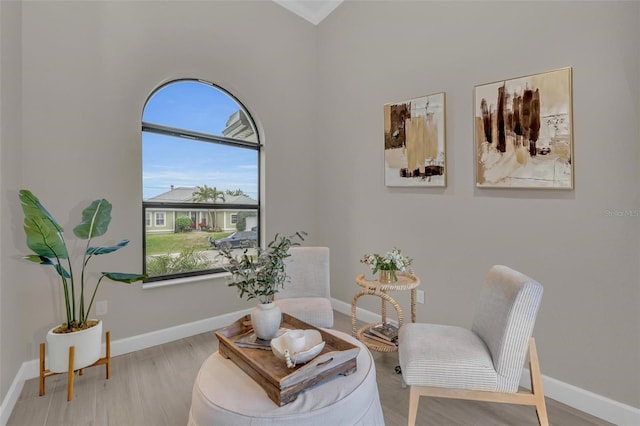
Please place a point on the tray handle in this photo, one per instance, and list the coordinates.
(322, 363)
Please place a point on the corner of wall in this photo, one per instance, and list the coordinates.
(10, 132)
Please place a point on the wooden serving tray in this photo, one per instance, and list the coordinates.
(281, 383)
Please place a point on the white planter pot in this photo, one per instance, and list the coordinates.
(87, 343)
(266, 319)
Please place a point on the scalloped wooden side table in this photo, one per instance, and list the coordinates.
(375, 288)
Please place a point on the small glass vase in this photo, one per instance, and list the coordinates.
(387, 277)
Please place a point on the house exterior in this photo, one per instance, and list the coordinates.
(162, 219)
(238, 127)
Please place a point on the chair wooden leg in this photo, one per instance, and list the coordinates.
(70, 373)
(414, 398)
(536, 384)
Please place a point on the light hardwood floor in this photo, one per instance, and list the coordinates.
(153, 387)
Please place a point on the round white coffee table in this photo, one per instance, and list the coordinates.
(224, 395)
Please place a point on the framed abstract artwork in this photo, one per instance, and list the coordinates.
(524, 132)
(414, 142)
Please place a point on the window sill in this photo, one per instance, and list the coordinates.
(186, 280)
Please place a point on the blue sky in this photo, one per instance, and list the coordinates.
(170, 161)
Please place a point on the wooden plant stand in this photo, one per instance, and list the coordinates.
(44, 373)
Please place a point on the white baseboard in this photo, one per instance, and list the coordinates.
(580, 399)
(12, 395)
(361, 314)
(586, 401)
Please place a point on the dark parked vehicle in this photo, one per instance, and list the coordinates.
(238, 239)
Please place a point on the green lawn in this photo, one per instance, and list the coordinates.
(171, 243)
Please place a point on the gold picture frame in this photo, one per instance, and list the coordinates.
(523, 132)
(415, 142)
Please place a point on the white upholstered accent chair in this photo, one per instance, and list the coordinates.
(482, 363)
(306, 295)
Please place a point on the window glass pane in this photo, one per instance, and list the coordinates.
(171, 162)
(201, 108)
(160, 219)
(195, 247)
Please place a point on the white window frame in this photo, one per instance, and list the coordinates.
(160, 217)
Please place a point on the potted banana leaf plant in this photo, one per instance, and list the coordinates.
(45, 238)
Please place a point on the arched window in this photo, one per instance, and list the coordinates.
(200, 179)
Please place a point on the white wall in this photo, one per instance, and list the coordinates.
(11, 330)
(87, 68)
(371, 53)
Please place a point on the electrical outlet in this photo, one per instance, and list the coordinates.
(101, 307)
(420, 296)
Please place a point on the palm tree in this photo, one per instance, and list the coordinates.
(235, 192)
(207, 194)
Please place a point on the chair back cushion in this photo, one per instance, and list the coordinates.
(504, 320)
(308, 270)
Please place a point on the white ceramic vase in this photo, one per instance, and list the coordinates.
(266, 319)
(87, 347)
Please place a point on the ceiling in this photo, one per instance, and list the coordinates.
(313, 11)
